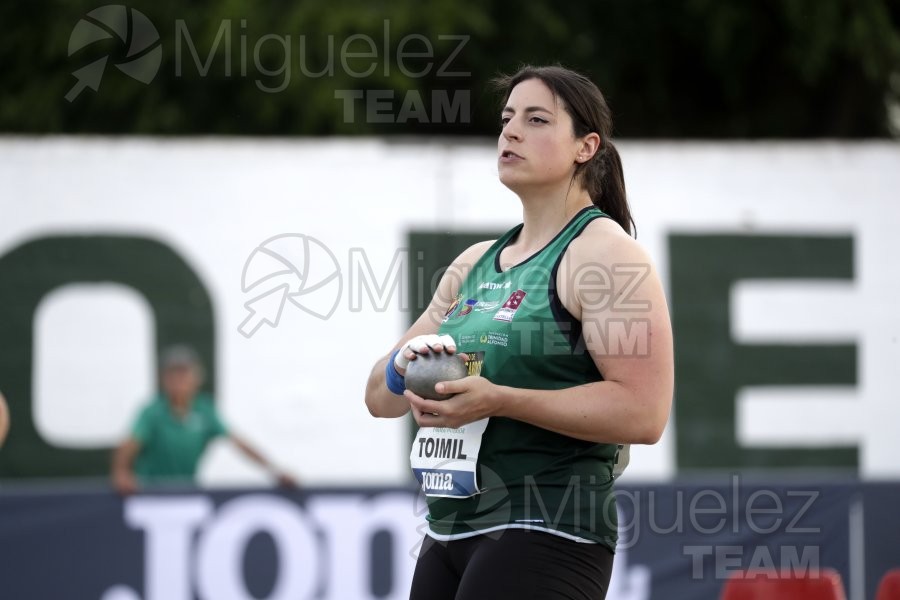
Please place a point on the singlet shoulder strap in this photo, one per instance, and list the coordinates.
(576, 225)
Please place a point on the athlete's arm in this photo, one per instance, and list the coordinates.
(379, 399)
(123, 478)
(628, 334)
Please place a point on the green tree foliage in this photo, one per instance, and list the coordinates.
(699, 68)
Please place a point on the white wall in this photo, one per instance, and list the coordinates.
(296, 389)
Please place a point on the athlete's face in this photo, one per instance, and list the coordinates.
(537, 146)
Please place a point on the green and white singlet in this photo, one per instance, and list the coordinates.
(501, 473)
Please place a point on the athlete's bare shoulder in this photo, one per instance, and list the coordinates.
(605, 241)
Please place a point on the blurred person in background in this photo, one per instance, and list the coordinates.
(4, 419)
(174, 429)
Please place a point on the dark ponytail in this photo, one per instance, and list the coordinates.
(604, 180)
(602, 176)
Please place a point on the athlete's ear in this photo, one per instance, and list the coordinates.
(587, 147)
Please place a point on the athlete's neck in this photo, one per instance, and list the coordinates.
(544, 216)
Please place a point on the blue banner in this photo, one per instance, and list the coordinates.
(677, 541)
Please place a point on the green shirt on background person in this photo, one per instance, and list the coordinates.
(172, 445)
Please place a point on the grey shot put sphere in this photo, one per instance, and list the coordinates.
(428, 369)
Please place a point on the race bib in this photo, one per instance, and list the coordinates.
(444, 460)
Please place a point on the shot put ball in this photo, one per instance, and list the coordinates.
(428, 369)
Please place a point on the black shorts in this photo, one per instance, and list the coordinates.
(513, 564)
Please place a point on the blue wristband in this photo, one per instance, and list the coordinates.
(394, 380)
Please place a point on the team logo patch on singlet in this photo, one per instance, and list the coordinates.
(470, 304)
(453, 306)
(509, 308)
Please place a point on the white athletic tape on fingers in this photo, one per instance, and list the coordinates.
(447, 341)
(400, 361)
(422, 344)
(417, 345)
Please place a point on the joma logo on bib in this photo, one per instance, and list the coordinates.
(437, 481)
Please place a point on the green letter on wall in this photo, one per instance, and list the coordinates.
(181, 308)
(711, 368)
